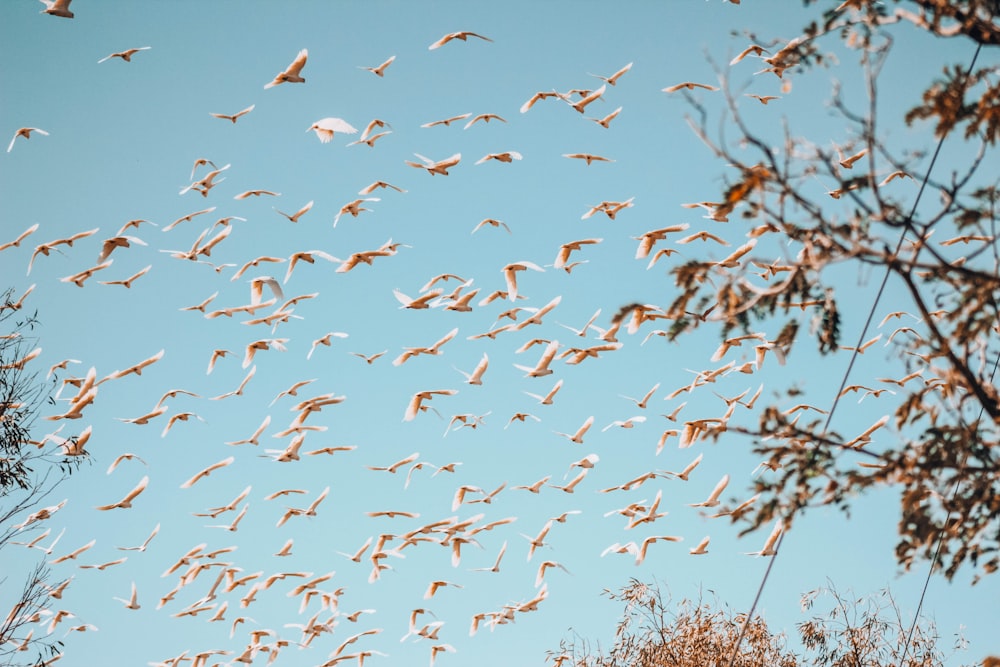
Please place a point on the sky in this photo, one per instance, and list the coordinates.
(122, 139)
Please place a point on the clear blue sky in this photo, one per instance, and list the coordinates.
(122, 140)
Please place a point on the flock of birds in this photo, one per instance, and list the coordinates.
(211, 578)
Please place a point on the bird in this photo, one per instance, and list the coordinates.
(496, 564)
(416, 402)
(510, 275)
(687, 470)
(292, 73)
(764, 99)
(17, 242)
(368, 189)
(142, 547)
(439, 167)
(701, 549)
(234, 116)
(125, 55)
(491, 222)
(380, 69)
(369, 140)
(641, 551)
(613, 79)
(132, 602)
(547, 399)
(127, 282)
(294, 217)
(606, 121)
(578, 436)
(770, 544)
(447, 121)
(713, 498)
(541, 95)
(642, 402)
(582, 103)
(207, 471)
(324, 340)
(353, 208)
(57, 8)
(587, 157)
(507, 156)
(26, 133)
(688, 85)
(476, 376)
(753, 49)
(126, 502)
(541, 368)
(462, 35)
(848, 162)
(326, 128)
(486, 118)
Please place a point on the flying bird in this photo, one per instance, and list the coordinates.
(613, 79)
(688, 85)
(462, 35)
(125, 55)
(234, 116)
(326, 127)
(432, 167)
(57, 8)
(126, 502)
(26, 133)
(292, 73)
(508, 156)
(380, 69)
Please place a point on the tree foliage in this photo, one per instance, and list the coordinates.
(29, 471)
(938, 247)
(656, 632)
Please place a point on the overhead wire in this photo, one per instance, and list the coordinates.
(843, 384)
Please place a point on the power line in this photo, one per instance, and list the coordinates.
(836, 401)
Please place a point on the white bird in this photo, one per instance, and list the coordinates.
(132, 602)
(207, 471)
(496, 563)
(507, 156)
(326, 127)
(625, 423)
(298, 214)
(57, 8)
(770, 544)
(642, 402)
(234, 116)
(641, 552)
(257, 289)
(687, 471)
(510, 275)
(126, 502)
(439, 167)
(702, 547)
(542, 367)
(292, 73)
(713, 498)
(578, 436)
(582, 103)
(613, 79)
(380, 69)
(142, 547)
(476, 376)
(416, 402)
(462, 35)
(547, 398)
(606, 121)
(447, 121)
(125, 55)
(26, 133)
